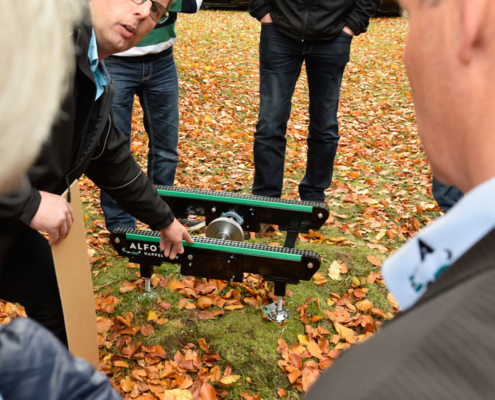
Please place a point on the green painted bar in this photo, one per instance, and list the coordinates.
(248, 202)
(219, 247)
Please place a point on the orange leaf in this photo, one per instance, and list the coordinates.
(207, 392)
(204, 346)
(364, 305)
(345, 333)
(314, 349)
(375, 261)
(204, 302)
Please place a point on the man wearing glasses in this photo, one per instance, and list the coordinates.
(83, 140)
(149, 71)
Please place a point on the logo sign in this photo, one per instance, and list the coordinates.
(146, 249)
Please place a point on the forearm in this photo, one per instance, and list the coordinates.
(20, 205)
(259, 8)
(115, 171)
(359, 17)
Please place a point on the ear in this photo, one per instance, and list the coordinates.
(472, 22)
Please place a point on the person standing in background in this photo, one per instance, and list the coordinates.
(149, 71)
(318, 33)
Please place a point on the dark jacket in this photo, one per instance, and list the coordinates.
(34, 365)
(85, 140)
(315, 20)
(440, 349)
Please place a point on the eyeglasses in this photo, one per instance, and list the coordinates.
(158, 12)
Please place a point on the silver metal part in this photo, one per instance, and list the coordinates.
(117, 240)
(148, 292)
(226, 229)
(320, 215)
(276, 312)
(190, 257)
(213, 210)
(310, 265)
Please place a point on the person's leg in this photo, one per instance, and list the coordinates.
(27, 276)
(325, 64)
(126, 77)
(159, 96)
(280, 65)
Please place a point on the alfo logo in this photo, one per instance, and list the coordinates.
(146, 249)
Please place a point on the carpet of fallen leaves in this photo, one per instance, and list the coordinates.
(380, 197)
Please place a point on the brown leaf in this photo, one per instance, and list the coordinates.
(146, 330)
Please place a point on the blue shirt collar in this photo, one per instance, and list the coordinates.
(100, 79)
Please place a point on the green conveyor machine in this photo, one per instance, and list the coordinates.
(223, 254)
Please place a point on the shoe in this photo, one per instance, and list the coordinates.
(192, 224)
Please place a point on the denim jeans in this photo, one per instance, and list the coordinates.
(156, 84)
(281, 59)
(445, 196)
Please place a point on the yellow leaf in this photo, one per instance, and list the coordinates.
(229, 380)
(330, 302)
(303, 339)
(391, 299)
(151, 315)
(334, 271)
(356, 281)
(175, 394)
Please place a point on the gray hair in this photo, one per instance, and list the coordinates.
(37, 57)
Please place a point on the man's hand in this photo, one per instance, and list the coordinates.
(54, 216)
(348, 30)
(171, 239)
(266, 19)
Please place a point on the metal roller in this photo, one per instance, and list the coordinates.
(225, 229)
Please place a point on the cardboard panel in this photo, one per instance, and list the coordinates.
(76, 286)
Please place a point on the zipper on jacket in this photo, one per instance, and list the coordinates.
(305, 20)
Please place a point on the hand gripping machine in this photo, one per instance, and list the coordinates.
(222, 254)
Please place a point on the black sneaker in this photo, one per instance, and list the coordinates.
(192, 224)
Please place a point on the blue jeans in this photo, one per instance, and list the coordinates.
(281, 59)
(156, 84)
(445, 196)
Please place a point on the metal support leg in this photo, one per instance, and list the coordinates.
(276, 312)
(145, 271)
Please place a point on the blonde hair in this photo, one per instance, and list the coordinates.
(36, 59)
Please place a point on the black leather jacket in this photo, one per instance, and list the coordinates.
(84, 140)
(315, 20)
(34, 365)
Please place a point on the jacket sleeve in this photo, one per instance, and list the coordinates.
(358, 18)
(114, 170)
(35, 365)
(186, 6)
(259, 8)
(21, 204)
